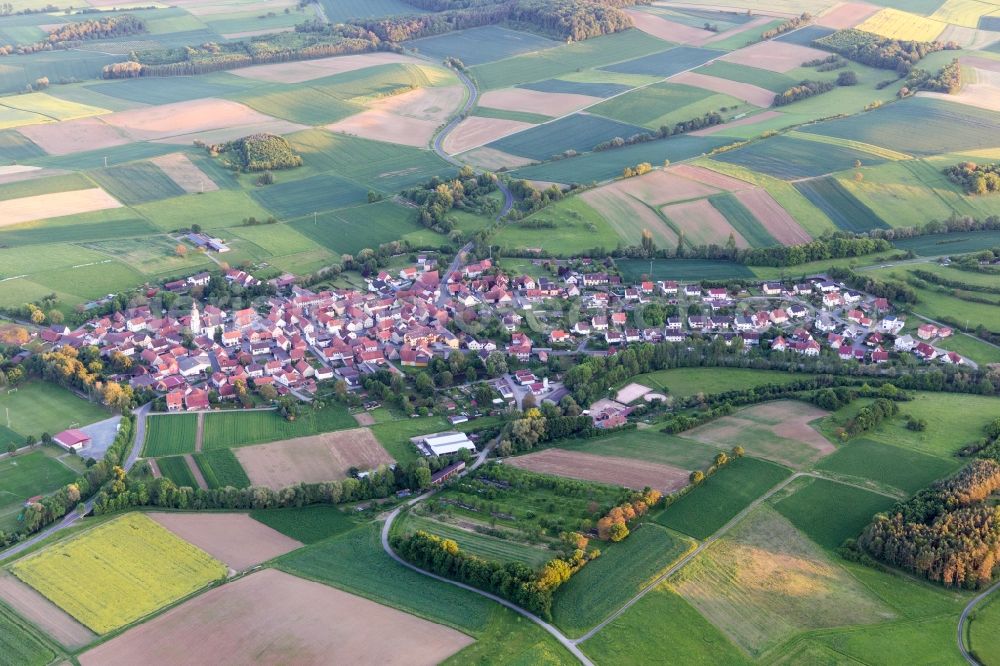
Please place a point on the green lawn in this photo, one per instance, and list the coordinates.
(886, 464)
(711, 505)
(650, 445)
(37, 407)
(926, 642)
(27, 475)
(983, 637)
(308, 524)
(829, 512)
(169, 435)
(221, 468)
(578, 228)
(683, 382)
(394, 436)
(623, 569)
(662, 623)
(233, 429)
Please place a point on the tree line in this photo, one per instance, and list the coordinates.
(699, 122)
(790, 24)
(65, 35)
(947, 80)
(803, 90)
(975, 178)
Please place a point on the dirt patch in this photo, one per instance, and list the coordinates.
(437, 104)
(44, 614)
(199, 115)
(779, 431)
(233, 538)
(629, 216)
(749, 120)
(984, 93)
(774, 56)
(626, 472)
(44, 206)
(17, 172)
(631, 393)
(185, 173)
(364, 419)
(773, 217)
(535, 101)
(297, 72)
(703, 224)
(275, 618)
(491, 159)
(384, 126)
(747, 92)
(846, 15)
(75, 136)
(668, 30)
(708, 177)
(314, 459)
(476, 131)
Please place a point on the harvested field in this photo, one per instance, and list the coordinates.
(627, 472)
(199, 115)
(774, 56)
(631, 393)
(235, 539)
(325, 457)
(18, 172)
(984, 92)
(708, 177)
(748, 120)
(58, 204)
(534, 101)
(44, 614)
(778, 431)
(668, 30)
(628, 216)
(773, 217)
(384, 126)
(185, 173)
(747, 92)
(75, 136)
(437, 104)
(274, 617)
(666, 186)
(846, 15)
(298, 72)
(702, 223)
(477, 131)
(491, 159)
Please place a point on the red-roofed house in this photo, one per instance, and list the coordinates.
(72, 440)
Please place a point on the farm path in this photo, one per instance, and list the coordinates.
(684, 561)
(139, 436)
(199, 433)
(963, 621)
(154, 469)
(195, 471)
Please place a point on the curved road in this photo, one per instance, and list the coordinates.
(73, 516)
(962, 621)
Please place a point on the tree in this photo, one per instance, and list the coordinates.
(181, 250)
(738, 452)
(55, 316)
(697, 477)
(618, 532)
(847, 78)
(12, 448)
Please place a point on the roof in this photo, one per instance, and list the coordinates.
(72, 437)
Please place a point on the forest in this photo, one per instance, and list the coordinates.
(65, 35)
(881, 52)
(258, 152)
(466, 191)
(975, 178)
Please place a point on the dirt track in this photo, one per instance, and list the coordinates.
(43, 613)
(271, 617)
(626, 472)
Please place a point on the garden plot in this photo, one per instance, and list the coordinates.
(765, 582)
(41, 612)
(774, 56)
(703, 224)
(534, 101)
(747, 92)
(846, 15)
(626, 472)
(476, 131)
(299, 72)
(274, 617)
(57, 204)
(314, 459)
(668, 30)
(233, 538)
(185, 173)
(778, 431)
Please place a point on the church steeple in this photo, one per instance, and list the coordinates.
(195, 320)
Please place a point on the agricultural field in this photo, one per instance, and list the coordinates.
(682, 269)
(235, 539)
(648, 445)
(221, 469)
(701, 512)
(176, 469)
(628, 472)
(309, 524)
(742, 220)
(666, 104)
(621, 571)
(897, 24)
(982, 637)
(481, 545)
(665, 63)
(481, 45)
(169, 435)
(789, 158)
(833, 198)
(579, 132)
(887, 465)
(30, 474)
(235, 429)
(20, 644)
(683, 382)
(828, 512)
(102, 578)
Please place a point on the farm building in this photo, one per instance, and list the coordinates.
(72, 440)
(446, 473)
(444, 443)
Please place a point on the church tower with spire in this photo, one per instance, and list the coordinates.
(195, 320)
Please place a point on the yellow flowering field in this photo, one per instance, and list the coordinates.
(118, 572)
(895, 24)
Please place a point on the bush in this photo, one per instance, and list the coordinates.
(848, 78)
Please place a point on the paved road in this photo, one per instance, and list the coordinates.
(452, 267)
(73, 516)
(962, 621)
